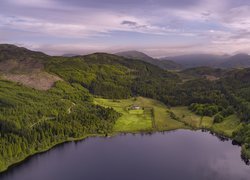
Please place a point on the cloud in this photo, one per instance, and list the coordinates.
(195, 24)
(130, 23)
(32, 3)
(121, 5)
(36, 3)
(90, 25)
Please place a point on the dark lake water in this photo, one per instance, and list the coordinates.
(181, 154)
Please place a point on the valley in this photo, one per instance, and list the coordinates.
(124, 90)
(103, 94)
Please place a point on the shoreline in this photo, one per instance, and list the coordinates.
(16, 163)
(13, 165)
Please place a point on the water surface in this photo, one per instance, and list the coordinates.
(181, 154)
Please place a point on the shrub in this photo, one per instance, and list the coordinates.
(218, 118)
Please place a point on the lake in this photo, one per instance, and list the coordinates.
(181, 154)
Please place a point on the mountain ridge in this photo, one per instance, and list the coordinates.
(167, 64)
(236, 61)
(215, 61)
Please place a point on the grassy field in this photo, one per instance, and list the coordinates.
(155, 115)
(131, 120)
(191, 119)
(206, 122)
(227, 126)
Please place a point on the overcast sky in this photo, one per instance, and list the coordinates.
(156, 27)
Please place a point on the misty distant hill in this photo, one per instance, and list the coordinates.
(167, 64)
(196, 60)
(236, 61)
(209, 60)
(69, 55)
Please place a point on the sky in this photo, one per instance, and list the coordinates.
(156, 27)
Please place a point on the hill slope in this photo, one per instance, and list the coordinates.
(236, 61)
(167, 64)
(32, 121)
(26, 67)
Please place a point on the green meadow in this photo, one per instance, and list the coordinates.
(228, 126)
(130, 120)
(155, 116)
(191, 119)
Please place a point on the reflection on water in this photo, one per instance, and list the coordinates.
(181, 154)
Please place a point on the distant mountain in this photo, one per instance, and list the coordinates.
(196, 60)
(236, 61)
(136, 55)
(69, 55)
(209, 60)
(167, 64)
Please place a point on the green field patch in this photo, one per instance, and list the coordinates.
(152, 115)
(227, 126)
(206, 122)
(130, 120)
(136, 111)
(183, 114)
(187, 117)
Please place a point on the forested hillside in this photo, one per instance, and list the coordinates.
(32, 120)
(112, 76)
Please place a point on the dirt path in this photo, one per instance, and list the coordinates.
(51, 118)
(42, 120)
(70, 108)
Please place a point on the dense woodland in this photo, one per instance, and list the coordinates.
(33, 120)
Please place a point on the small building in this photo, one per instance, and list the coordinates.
(135, 107)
